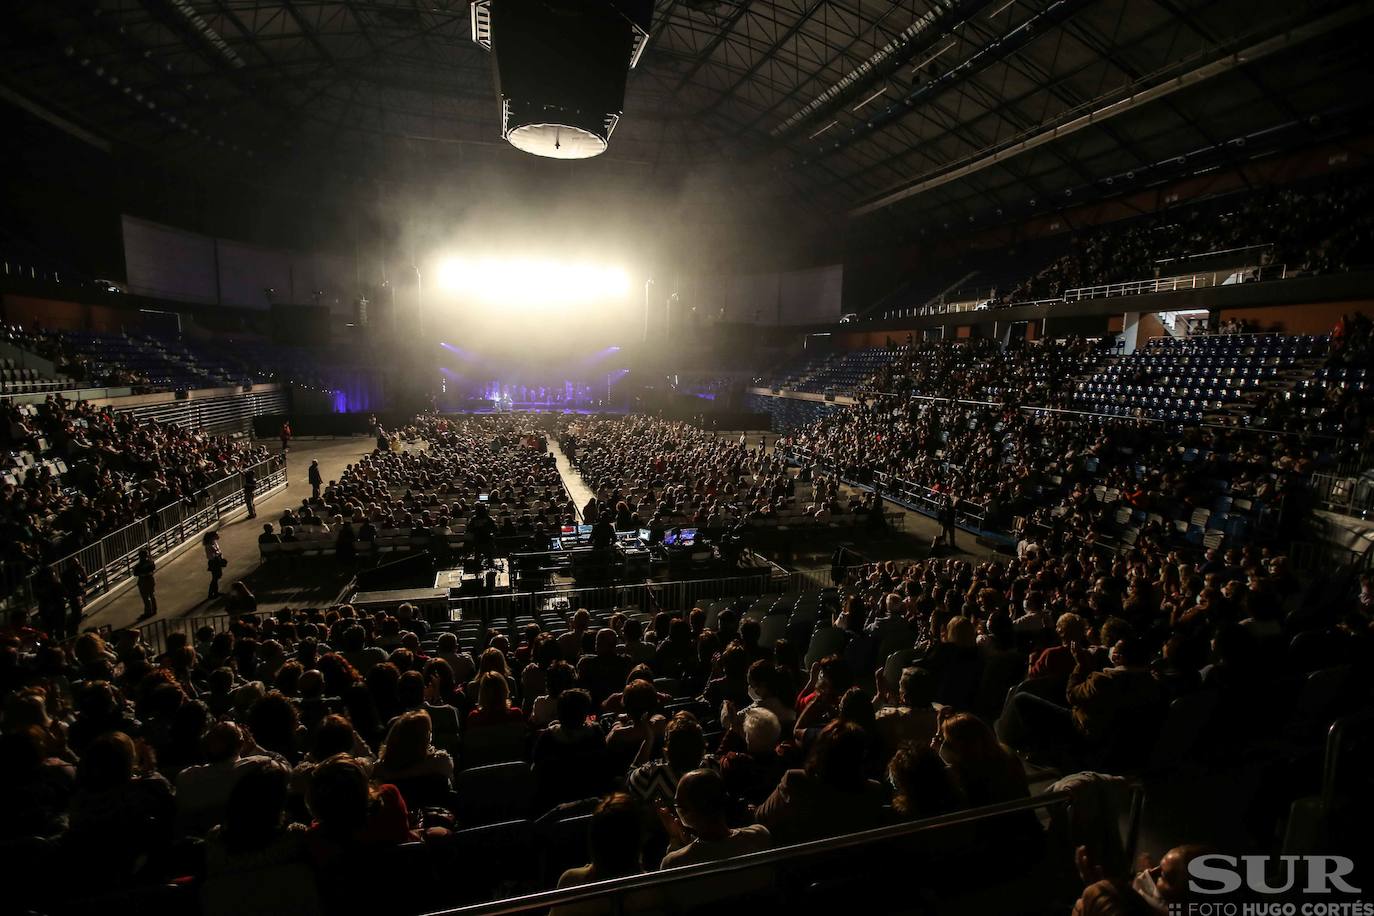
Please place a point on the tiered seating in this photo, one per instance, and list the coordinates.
(14, 380)
(18, 462)
(850, 370)
(795, 375)
(1228, 520)
(160, 361)
(110, 356)
(1192, 379)
(841, 373)
(790, 413)
(1316, 403)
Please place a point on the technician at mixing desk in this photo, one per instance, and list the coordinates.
(603, 532)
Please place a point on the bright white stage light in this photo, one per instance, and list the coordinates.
(532, 282)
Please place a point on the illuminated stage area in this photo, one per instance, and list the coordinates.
(495, 382)
(686, 457)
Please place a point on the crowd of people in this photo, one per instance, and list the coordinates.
(650, 473)
(1005, 463)
(959, 422)
(984, 369)
(1316, 230)
(118, 470)
(270, 759)
(54, 347)
(485, 477)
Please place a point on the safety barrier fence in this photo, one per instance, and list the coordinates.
(767, 879)
(1348, 494)
(110, 561)
(502, 610)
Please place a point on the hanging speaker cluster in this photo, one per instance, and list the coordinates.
(560, 69)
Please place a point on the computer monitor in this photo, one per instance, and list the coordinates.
(584, 529)
(644, 534)
(555, 543)
(483, 497)
(626, 537)
(567, 530)
(670, 538)
(687, 537)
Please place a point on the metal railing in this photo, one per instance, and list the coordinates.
(1230, 277)
(1217, 253)
(110, 561)
(1347, 494)
(506, 609)
(647, 596)
(760, 871)
(914, 496)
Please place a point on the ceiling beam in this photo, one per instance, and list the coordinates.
(1136, 96)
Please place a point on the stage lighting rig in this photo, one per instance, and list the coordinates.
(560, 69)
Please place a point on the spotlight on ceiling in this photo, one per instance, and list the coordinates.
(560, 68)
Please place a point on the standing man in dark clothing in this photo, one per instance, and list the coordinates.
(52, 603)
(285, 436)
(147, 586)
(483, 532)
(316, 478)
(74, 580)
(603, 532)
(947, 516)
(250, 492)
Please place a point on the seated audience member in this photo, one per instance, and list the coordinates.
(118, 817)
(615, 841)
(764, 693)
(569, 757)
(36, 786)
(202, 791)
(1110, 713)
(274, 723)
(913, 718)
(349, 815)
(955, 664)
(603, 672)
(410, 762)
(492, 661)
(638, 702)
(464, 669)
(654, 781)
(733, 683)
(493, 703)
(634, 648)
(570, 643)
(985, 771)
(335, 736)
(699, 832)
(1056, 662)
(1165, 887)
(559, 677)
(922, 785)
(819, 700)
(255, 861)
(830, 795)
(750, 760)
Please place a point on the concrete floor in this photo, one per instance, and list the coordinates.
(182, 582)
(578, 490)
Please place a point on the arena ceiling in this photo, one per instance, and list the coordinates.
(919, 112)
